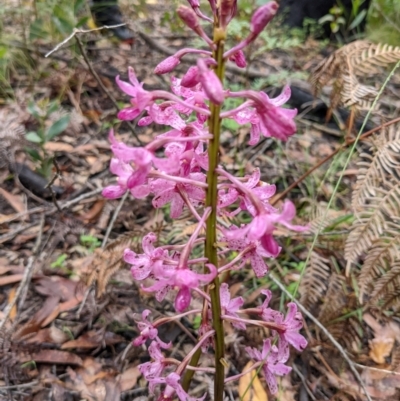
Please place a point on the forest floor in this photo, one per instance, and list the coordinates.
(68, 302)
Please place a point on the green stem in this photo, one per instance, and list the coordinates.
(214, 125)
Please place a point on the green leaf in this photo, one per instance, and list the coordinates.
(326, 18)
(79, 5)
(33, 137)
(3, 51)
(358, 19)
(61, 21)
(58, 127)
(81, 22)
(34, 154)
(37, 31)
(53, 106)
(60, 261)
(33, 110)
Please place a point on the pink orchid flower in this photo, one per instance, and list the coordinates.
(272, 364)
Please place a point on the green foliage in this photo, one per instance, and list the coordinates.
(54, 19)
(90, 242)
(43, 112)
(60, 261)
(383, 22)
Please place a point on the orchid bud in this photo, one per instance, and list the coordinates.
(194, 3)
(189, 17)
(191, 78)
(182, 300)
(262, 16)
(210, 82)
(228, 10)
(239, 59)
(167, 65)
(212, 5)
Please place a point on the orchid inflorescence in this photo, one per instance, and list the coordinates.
(181, 168)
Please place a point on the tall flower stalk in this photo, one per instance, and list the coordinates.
(181, 167)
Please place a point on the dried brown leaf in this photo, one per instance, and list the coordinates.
(250, 387)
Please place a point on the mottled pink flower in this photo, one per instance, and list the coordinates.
(140, 99)
(152, 371)
(123, 171)
(272, 366)
(183, 278)
(263, 225)
(147, 331)
(274, 120)
(229, 307)
(165, 116)
(173, 387)
(261, 190)
(143, 264)
(292, 323)
(170, 192)
(265, 115)
(255, 253)
(193, 96)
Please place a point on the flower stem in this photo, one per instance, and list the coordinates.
(211, 251)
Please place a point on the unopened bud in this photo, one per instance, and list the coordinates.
(167, 65)
(239, 59)
(194, 3)
(210, 82)
(182, 300)
(191, 78)
(189, 17)
(228, 10)
(262, 16)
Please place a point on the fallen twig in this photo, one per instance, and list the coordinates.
(113, 218)
(24, 282)
(76, 31)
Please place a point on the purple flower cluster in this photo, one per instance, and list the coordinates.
(173, 169)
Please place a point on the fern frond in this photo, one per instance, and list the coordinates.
(381, 256)
(386, 281)
(315, 281)
(346, 65)
(382, 161)
(335, 299)
(373, 57)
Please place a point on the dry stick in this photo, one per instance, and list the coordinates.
(76, 31)
(114, 217)
(25, 281)
(319, 164)
(51, 182)
(81, 197)
(102, 86)
(328, 335)
(35, 252)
